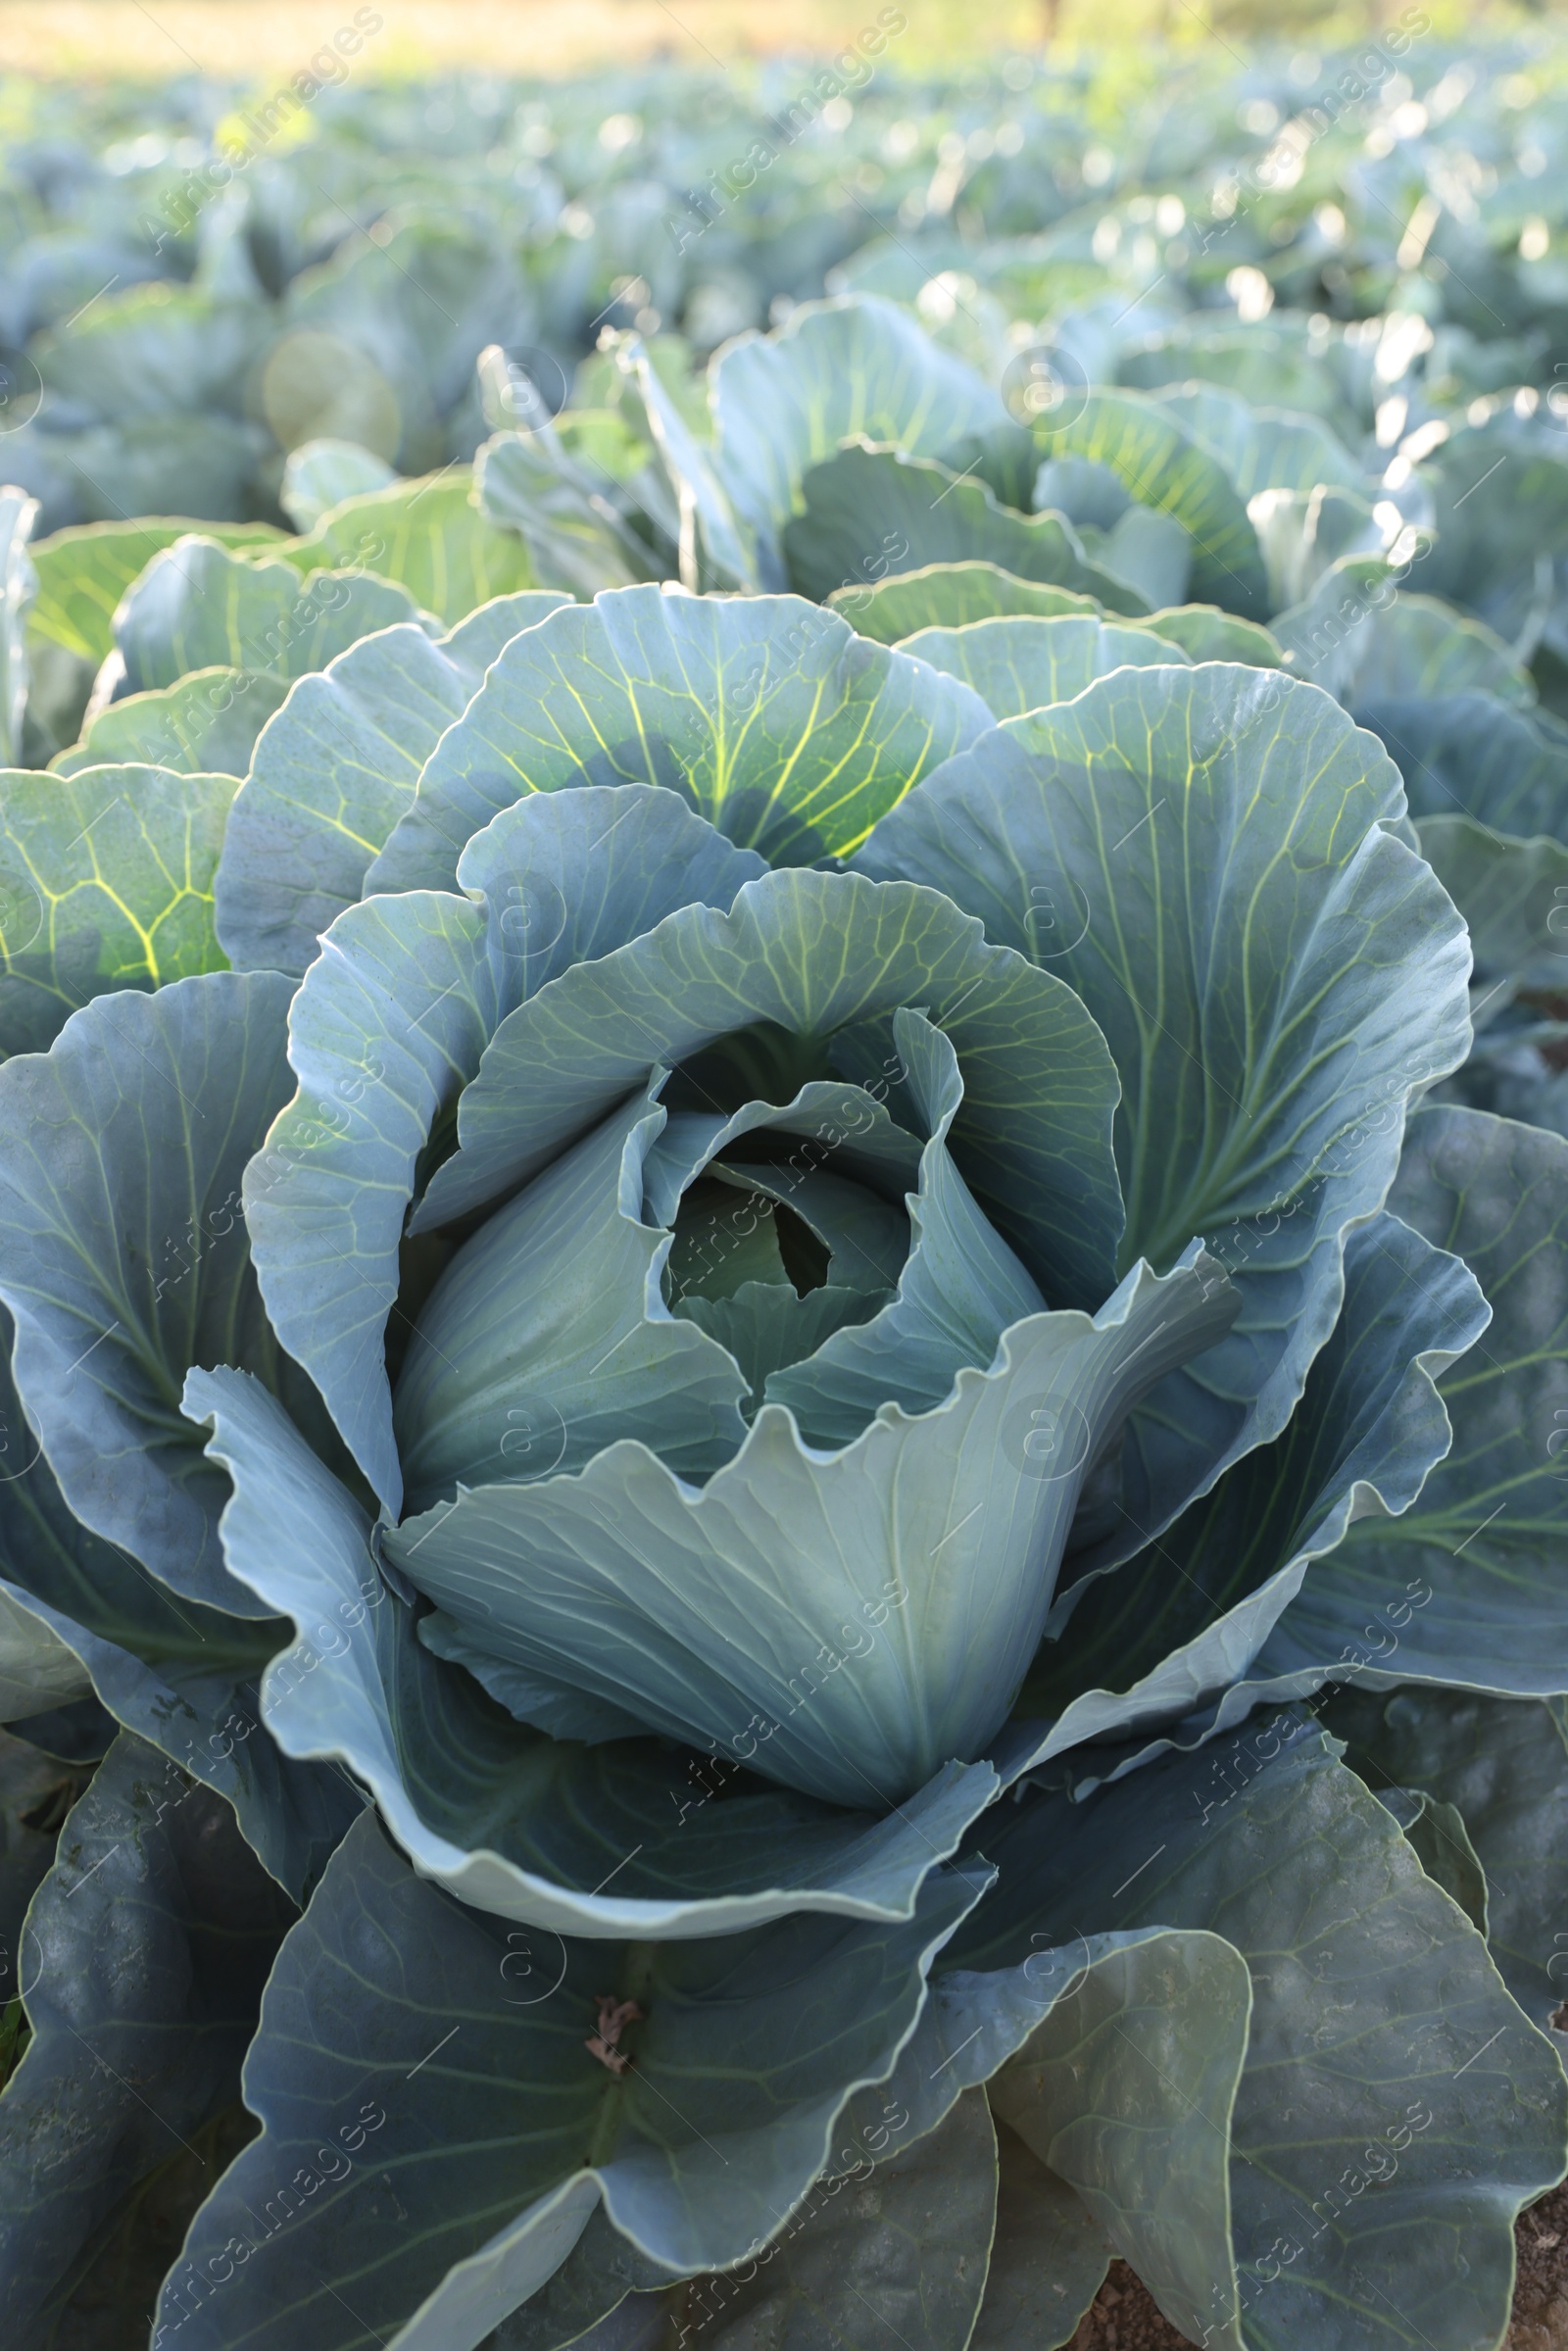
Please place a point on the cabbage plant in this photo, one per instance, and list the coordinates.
(740, 1391)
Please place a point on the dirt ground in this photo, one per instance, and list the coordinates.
(1124, 2317)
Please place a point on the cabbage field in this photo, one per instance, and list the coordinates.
(784, 1202)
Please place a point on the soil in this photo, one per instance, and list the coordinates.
(1123, 2316)
(1540, 2298)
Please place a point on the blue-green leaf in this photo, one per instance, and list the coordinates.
(321, 475)
(105, 882)
(893, 607)
(1161, 466)
(142, 1963)
(330, 779)
(1513, 894)
(122, 1252)
(1183, 1619)
(704, 498)
(815, 954)
(1201, 854)
(575, 535)
(197, 604)
(1048, 2259)
(1127, 2090)
(206, 723)
(835, 371)
(1485, 553)
(775, 722)
(180, 1675)
(870, 511)
(1261, 448)
(1474, 756)
(427, 535)
(901, 2247)
(84, 571)
(1501, 1766)
(1018, 663)
(849, 1622)
(1460, 1589)
(1396, 2108)
(1413, 647)
(1066, 2040)
(559, 1296)
(389, 1026)
(1205, 633)
(959, 1286)
(435, 2136)
(38, 1671)
(617, 1838)
(1317, 543)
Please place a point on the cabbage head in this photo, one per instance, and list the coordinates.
(770, 1385)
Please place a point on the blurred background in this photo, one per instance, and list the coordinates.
(231, 230)
(103, 38)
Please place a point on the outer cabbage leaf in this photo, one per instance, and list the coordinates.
(38, 1671)
(142, 1963)
(105, 882)
(1261, 448)
(1486, 553)
(872, 512)
(1470, 755)
(1380, 2034)
(1187, 1616)
(196, 606)
(1458, 1591)
(603, 2277)
(84, 570)
(1512, 894)
(179, 1675)
(428, 536)
(902, 2248)
(122, 1252)
(1500, 1767)
(775, 722)
(318, 476)
(330, 779)
(1323, 633)
(1161, 466)
(206, 723)
(1048, 2259)
(950, 596)
(1148, 2157)
(835, 371)
(1315, 541)
(383, 2017)
(1414, 647)
(573, 533)
(705, 505)
(1256, 362)
(1203, 855)
(1205, 633)
(1016, 665)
